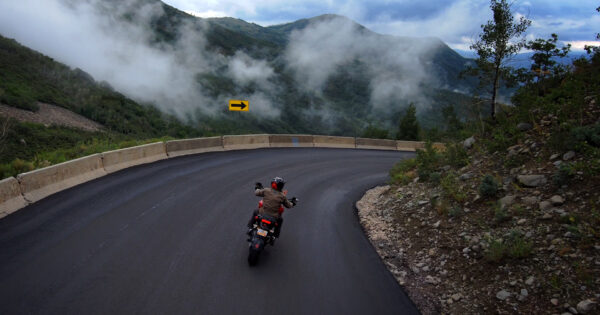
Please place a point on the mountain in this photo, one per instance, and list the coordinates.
(28, 78)
(326, 74)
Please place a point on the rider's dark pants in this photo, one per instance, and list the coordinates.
(277, 227)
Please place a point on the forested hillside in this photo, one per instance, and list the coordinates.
(326, 74)
(323, 75)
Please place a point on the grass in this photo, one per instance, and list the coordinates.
(47, 158)
(451, 188)
(515, 246)
(403, 172)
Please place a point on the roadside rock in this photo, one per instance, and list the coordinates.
(503, 295)
(545, 205)
(557, 200)
(586, 306)
(569, 155)
(523, 295)
(529, 200)
(506, 201)
(466, 176)
(529, 281)
(468, 143)
(532, 180)
(524, 126)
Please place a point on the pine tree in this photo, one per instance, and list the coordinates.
(594, 49)
(545, 52)
(409, 126)
(500, 40)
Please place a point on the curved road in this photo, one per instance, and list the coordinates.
(168, 238)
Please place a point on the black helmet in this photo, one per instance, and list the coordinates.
(277, 183)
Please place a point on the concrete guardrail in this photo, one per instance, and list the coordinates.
(16, 193)
(409, 145)
(194, 146)
(243, 142)
(46, 181)
(119, 159)
(377, 144)
(294, 141)
(11, 198)
(334, 142)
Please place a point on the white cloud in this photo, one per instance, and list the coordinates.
(395, 67)
(580, 45)
(84, 35)
(244, 70)
(452, 24)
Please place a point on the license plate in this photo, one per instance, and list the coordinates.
(261, 232)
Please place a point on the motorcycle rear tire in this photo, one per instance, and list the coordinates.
(253, 256)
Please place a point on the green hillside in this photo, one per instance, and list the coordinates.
(342, 106)
(28, 77)
(344, 96)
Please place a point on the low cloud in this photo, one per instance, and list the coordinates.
(92, 36)
(245, 70)
(394, 66)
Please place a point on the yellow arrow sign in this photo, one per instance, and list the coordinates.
(240, 106)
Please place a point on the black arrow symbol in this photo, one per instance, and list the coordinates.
(241, 105)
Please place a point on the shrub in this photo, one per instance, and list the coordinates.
(562, 176)
(22, 166)
(427, 160)
(518, 247)
(495, 252)
(500, 215)
(441, 206)
(488, 186)
(589, 134)
(514, 247)
(14, 168)
(402, 172)
(435, 177)
(455, 212)
(456, 155)
(375, 133)
(451, 188)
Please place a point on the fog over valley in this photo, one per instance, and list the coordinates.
(160, 56)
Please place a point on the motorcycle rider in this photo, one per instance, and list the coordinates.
(273, 198)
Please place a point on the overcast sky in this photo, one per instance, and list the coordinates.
(457, 22)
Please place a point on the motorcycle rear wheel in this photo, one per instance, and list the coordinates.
(253, 256)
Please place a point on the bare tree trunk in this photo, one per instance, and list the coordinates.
(495, 91)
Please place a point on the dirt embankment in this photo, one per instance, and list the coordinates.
(441, 261)
(51, 115)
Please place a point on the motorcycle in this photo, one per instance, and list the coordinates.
(262, 233)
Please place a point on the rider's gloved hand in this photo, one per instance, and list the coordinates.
(294, 201)
(258, 185)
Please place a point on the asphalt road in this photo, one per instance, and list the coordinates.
(168, 238)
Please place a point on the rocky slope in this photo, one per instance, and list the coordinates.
(48, 115)
(511, 232)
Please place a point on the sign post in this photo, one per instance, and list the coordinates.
(239, 106)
